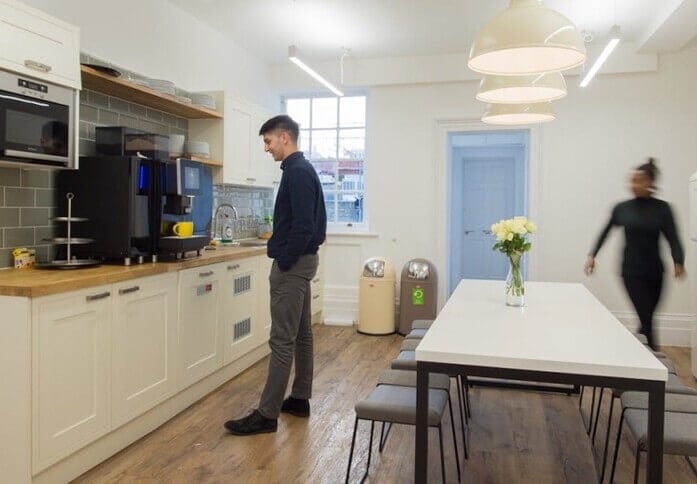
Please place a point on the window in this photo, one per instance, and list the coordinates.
(332, 136)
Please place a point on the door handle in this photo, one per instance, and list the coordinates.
(316, 296)
(94, 297)
(233, 267)
(467, 232)
(129, 290)
(486, 232)
(37, 66)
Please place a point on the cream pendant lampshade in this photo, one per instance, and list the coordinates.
(527, 38)
(509, 114)
(522, 89)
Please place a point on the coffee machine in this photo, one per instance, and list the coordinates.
(126, 199)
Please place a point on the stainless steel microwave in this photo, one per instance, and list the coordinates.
(37, 122)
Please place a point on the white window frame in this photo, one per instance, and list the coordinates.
(340, 227)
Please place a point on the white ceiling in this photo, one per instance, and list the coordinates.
(401, 28)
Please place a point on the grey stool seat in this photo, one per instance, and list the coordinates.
(410, 344)
(421, 323)
(387, 403)
(674, 402)
(679, 434)
(643, 339)
(406, 360)
(397, 405)
(405, 378)
(416, 334)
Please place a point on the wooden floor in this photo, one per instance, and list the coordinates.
(515, 436)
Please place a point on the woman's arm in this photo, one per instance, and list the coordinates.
(589, 267)
(671, 234)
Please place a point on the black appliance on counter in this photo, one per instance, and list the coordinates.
(126, 200)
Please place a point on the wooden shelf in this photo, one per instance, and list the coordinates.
(122, 88)
(205, 161)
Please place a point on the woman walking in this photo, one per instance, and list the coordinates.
(643, 218)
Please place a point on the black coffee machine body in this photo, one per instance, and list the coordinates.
(122, 199)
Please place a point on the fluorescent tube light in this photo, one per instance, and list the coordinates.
(614, 40)
(293, 57)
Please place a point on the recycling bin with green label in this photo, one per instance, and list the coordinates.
(376, 297)
(418, 294)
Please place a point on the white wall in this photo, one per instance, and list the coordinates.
(158, 39)
(600, 133)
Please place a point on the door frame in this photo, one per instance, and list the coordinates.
(446, 127)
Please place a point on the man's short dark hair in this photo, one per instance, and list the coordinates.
(282, 122)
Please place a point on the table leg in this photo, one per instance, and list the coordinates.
(421, 445)
(654, 460)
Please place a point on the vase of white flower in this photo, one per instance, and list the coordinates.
(515, 287)
(511, 240)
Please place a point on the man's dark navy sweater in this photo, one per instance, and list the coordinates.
(299, 216)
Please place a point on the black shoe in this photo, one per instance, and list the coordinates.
(254, 423)
(296, 406)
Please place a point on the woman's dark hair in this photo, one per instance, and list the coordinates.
(650, 169)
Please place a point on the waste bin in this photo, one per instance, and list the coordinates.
(376, 297)
(418, 293)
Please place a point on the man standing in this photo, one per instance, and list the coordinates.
(299, 227)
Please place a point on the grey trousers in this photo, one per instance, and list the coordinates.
(291, 334)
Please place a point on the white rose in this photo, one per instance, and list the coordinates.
(530, 227)
(510, 236)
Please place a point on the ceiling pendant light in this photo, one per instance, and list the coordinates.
(293, 57)
(511, 114)
(527, 38)
(522, 89)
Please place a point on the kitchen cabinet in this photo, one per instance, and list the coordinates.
(238, 314)
(317, 289)
(143, 345)
(35, 44)
(265, 297)
(236, 141)
(199, 332)
(70, 372)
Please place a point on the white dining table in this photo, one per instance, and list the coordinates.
(562, 335)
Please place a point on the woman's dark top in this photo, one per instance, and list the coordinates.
(643, 220)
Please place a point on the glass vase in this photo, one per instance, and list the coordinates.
(515, 288)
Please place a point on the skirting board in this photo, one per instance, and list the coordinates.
(341, 309)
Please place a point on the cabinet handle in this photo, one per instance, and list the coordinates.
(37, 66)
(101, 295)
(205, 274)
(251, 179)
(129, 290)
(233, 267)
(315, 279)
(316, 296)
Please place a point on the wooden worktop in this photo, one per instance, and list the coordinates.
(40, 282)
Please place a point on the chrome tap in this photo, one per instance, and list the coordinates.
(217, 216)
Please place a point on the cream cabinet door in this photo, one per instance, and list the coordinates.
(238, 135)
(200, 349)
(143, 345)
(265, 297)
(70, 372)
(238, 314)
(35, 44)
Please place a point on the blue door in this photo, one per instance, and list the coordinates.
(488, 184)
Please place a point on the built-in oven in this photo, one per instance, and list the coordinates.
(37, 122)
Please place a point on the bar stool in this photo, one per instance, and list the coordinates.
(407, 378)
(397, 405)
(416, 333)
(680, 426)
(421, 323)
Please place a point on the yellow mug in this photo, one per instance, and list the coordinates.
(183, 229)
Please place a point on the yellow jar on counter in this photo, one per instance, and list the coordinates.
(24, 257)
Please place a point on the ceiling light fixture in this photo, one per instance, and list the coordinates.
(293, 57)
(522, 89)
(510, 114)
(612, 43)
(527, 38)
